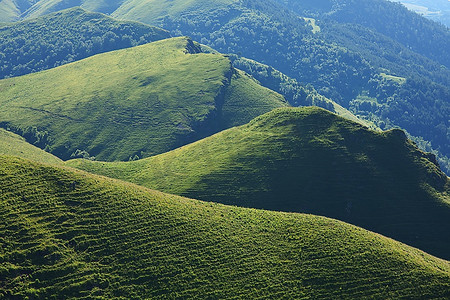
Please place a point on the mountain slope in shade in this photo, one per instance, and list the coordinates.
(133, 102)
(69, 234)
(309, 160)
(13, 144)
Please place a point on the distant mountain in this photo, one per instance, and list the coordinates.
(70, 35)
(312, 161)
(132, 103)
(69, 234)
(437, 10)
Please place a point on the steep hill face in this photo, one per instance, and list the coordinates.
(13, 144)
(133, 102)
(63, 37)
(309, 160)
(69, 234)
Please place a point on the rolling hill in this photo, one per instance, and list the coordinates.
(69, 234)
(375, 58)
(13, 144)
(312, 161)
(132, 103)
(66, 36)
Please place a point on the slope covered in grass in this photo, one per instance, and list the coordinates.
(66, 233)
(308, 160)
(133, 102)
(357, 42)
(66, 36)
(13, 144)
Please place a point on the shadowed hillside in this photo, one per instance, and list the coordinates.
(132, 103)
(309, 160)
(13, 144)
(68, 234)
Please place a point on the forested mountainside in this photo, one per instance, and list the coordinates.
(308, 160)
(374, 57)
(67, 36)
(69, 234)
(132, 103)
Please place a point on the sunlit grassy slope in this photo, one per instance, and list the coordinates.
(133, 102)
(66, 233)
(142, 10)
(150, 10)
(308, 160)
(13, 144)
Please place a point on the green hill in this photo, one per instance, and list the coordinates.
(68, 234)
(308, 160)
(13, 144)
(66, 36)
(133, 102)
(342, 48)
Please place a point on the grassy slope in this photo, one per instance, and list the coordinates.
(66, 233)
(308, 160)
(66, 36)
(13, 144)
(44, 7)
(150, 10)
(141, 10)
(138, 101)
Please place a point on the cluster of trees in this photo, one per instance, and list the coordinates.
(60, 38)
(295, 93)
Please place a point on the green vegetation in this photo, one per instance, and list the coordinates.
(357, 41)
(67, 36)
(308, 160)
(68, 234)
(132, 103)
(13, 144)
(295, 93)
